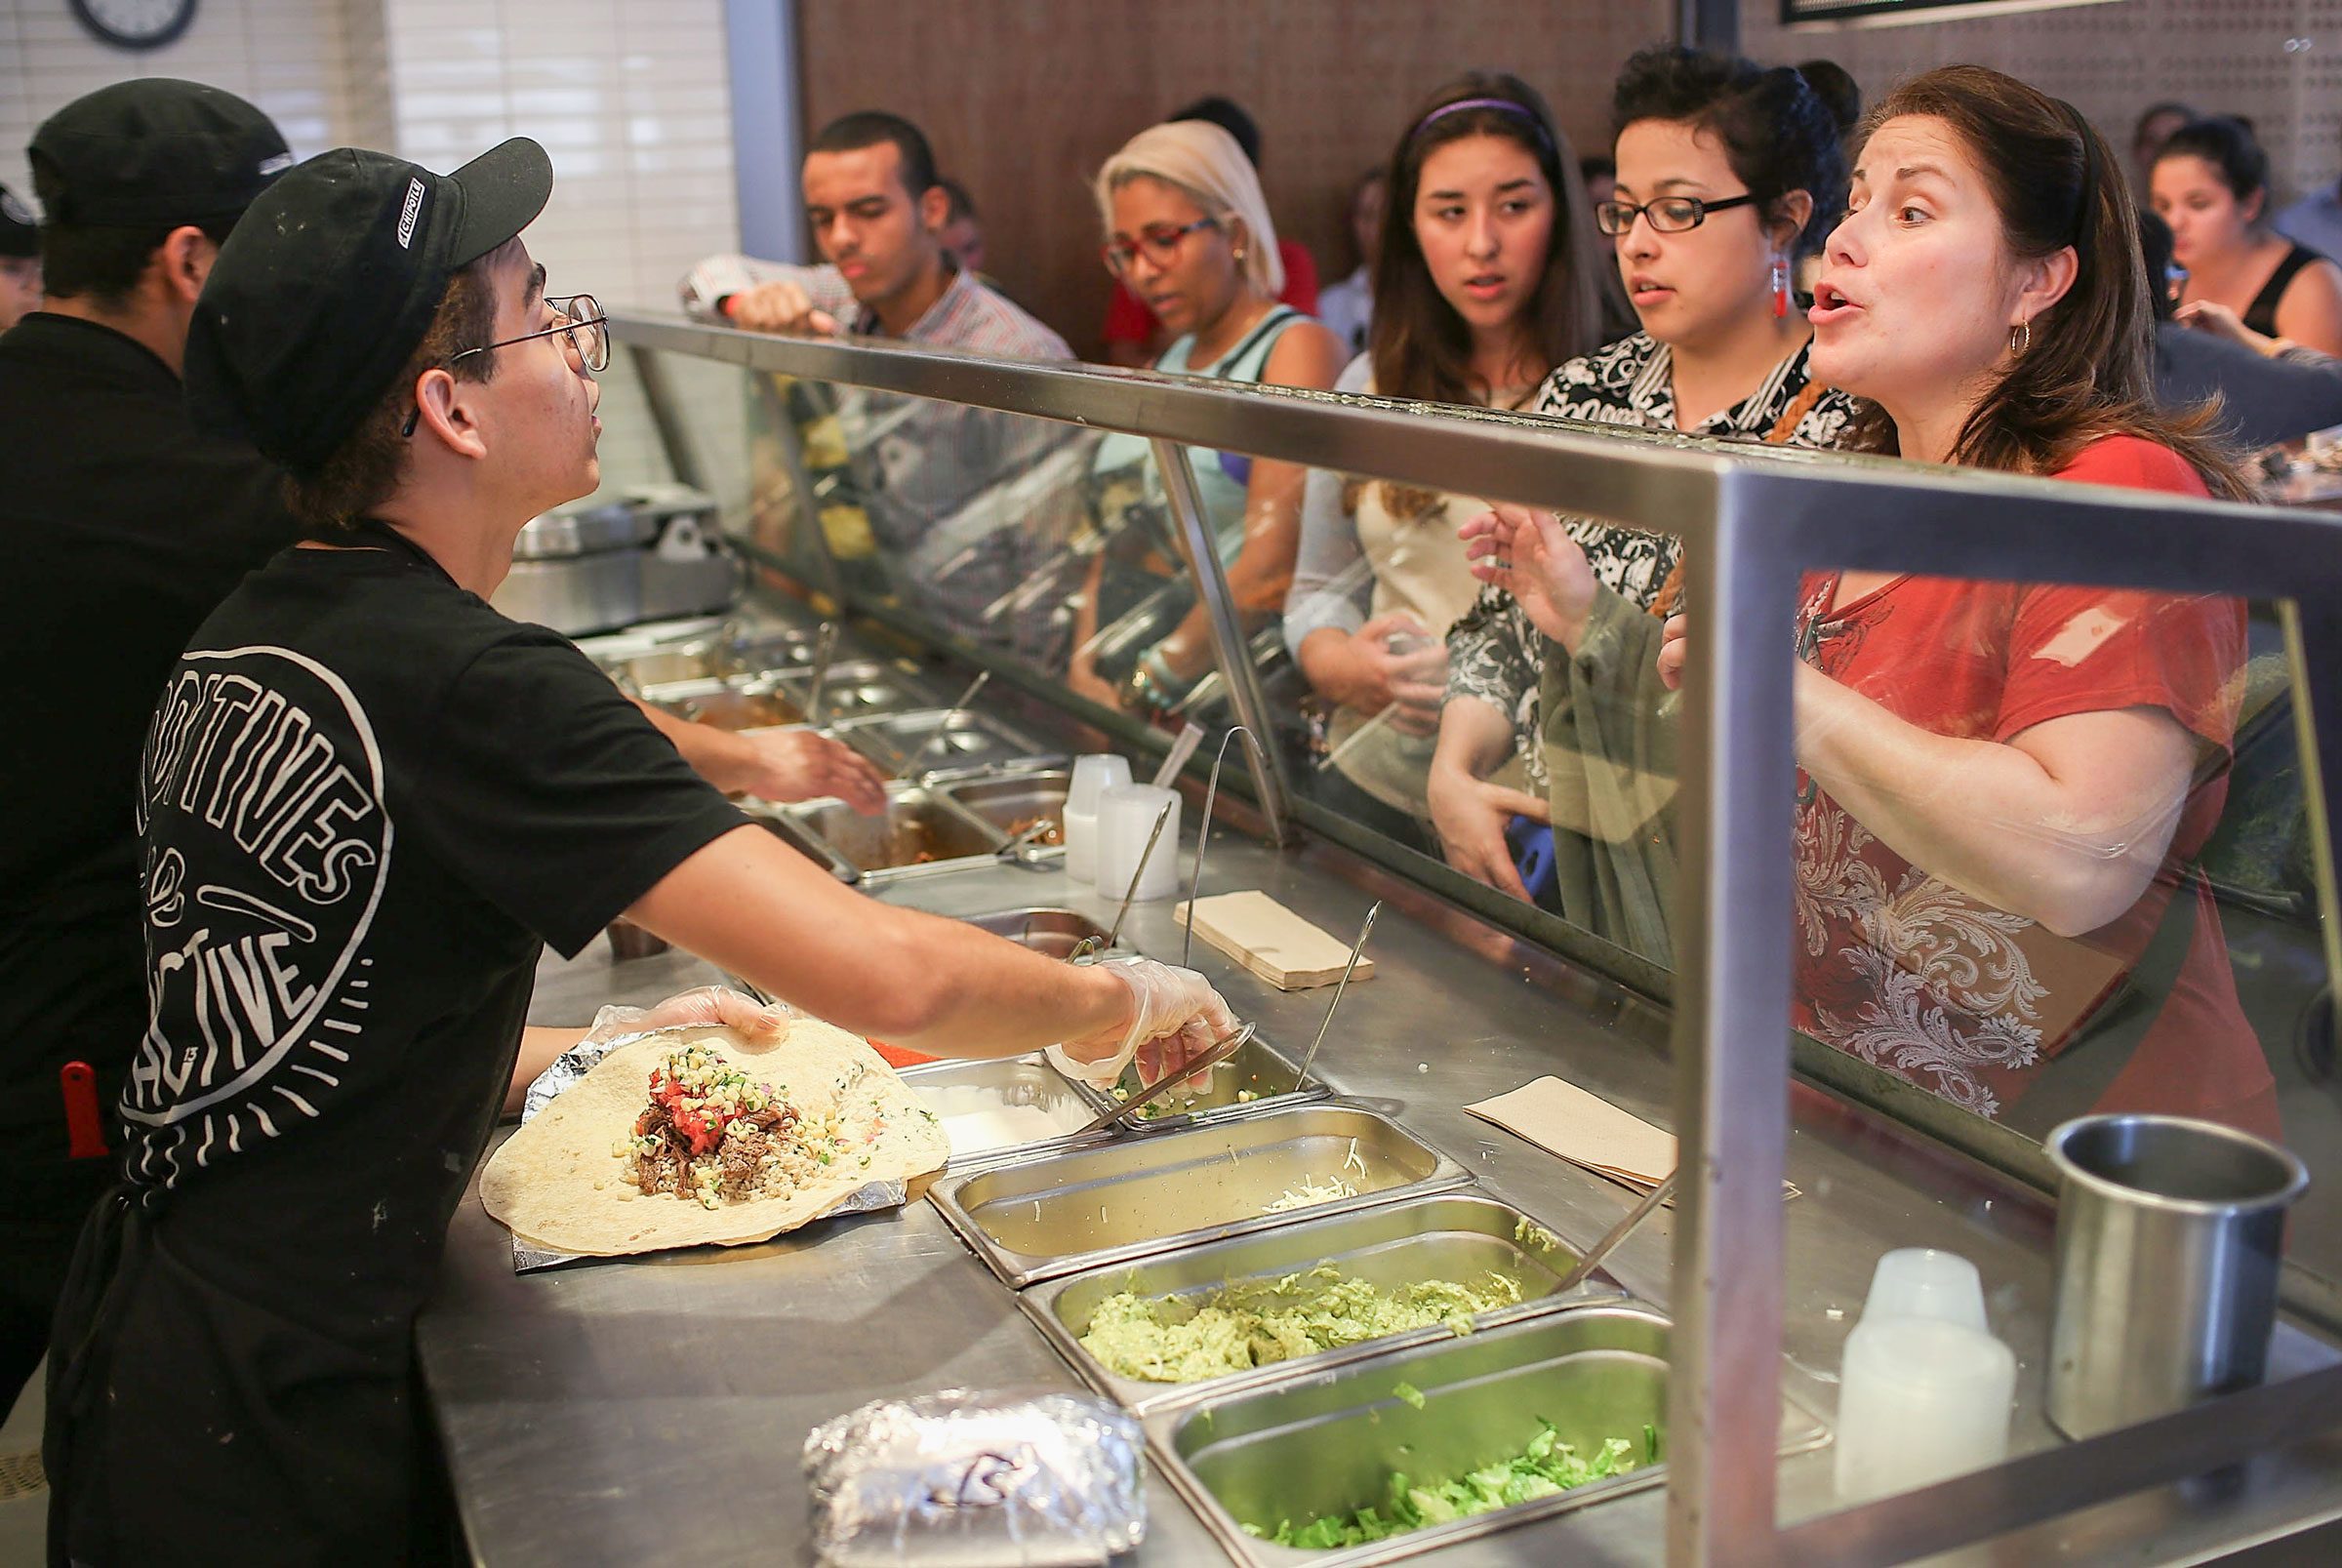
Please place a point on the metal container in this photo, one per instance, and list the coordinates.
(1052, 933)
(574, 594)
(1457, 1237)
(1061, 1214)
(2169, 1234)
(964, 1094)
(1327, 1442)
(1011, 803)
(974, 741)
(728, 705)
(921, 835)
(857, 690)
(1256, 1075)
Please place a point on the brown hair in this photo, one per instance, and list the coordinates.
(2087, 370)
(1421, 348)
(366, 468)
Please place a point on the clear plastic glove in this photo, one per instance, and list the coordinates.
(536, 1080)
(743, 1015)
(1174, 1017)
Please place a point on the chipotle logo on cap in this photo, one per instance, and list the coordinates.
(409, 213)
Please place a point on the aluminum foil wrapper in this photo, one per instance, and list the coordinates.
(580, 1059)
(1018, 1479)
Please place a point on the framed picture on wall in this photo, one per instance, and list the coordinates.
(1887, 11)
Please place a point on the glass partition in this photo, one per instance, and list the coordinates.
(2048, 848)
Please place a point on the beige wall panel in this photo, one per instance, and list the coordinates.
(1023, 99)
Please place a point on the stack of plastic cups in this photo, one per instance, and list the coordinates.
(1126, 814)
(1091, 774)
(1925, 1390)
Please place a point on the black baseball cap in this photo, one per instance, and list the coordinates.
(155, 151)
(323, 290)
(20, 230)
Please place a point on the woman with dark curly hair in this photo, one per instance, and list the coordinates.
(1727, 174)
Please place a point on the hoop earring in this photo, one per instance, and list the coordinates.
(1780, 289)
(2020, 339)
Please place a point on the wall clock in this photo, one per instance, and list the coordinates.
(134, 23)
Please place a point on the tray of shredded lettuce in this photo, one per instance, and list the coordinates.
(1546, 1467)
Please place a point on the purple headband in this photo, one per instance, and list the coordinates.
(1503, 105)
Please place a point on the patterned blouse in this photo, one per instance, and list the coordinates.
(1494, 653)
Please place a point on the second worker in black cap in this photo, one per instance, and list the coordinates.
(367, 799)
(20, 260)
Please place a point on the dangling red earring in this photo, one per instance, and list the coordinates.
(1780, 290)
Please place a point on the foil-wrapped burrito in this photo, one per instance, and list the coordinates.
(1021, 1478)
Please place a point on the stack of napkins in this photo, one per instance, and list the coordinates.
(1588, 1131)
(1273, 941)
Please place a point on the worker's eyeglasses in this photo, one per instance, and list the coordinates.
(1668, 214)
(577, 317)
(1158, 242)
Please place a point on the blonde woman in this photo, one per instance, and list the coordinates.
(1189, 231)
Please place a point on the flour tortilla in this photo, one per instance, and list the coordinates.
(556, 1182)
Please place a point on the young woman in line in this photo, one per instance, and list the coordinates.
(1726, 173)
(2211, 186)
(1189, 230)
(1488, 273)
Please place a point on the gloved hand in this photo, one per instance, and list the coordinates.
(1174, 1017)
(745, 1016)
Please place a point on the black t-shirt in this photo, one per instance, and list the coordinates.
(365, 799)
(123, 526)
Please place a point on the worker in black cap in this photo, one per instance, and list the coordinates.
(126, 526)
(20, 260)
(349, 865)
(123, 526)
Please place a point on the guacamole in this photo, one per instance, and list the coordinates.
(1238, 1327)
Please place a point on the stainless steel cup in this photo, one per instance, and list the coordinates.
(2168, 1235)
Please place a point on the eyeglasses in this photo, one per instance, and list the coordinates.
(582, 322)
(1160, 242)
(579, 319)
(1668, 214)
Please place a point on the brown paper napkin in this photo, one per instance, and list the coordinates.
(1589, 1131)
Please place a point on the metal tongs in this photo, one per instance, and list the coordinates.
(825, 649)
(1148, 1092)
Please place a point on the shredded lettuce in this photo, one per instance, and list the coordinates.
(1546, 1467)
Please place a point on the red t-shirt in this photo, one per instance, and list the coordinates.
(1129, 321)
(1935, 985)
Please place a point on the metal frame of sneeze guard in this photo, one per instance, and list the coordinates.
(1753, 519)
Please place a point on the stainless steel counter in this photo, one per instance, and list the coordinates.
(656, 1407)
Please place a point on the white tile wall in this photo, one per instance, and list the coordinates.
(630, 97)
(290, 56)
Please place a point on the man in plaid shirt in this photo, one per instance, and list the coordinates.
(966, 505)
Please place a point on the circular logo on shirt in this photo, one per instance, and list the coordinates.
(266, 849)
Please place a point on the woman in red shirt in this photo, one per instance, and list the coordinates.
(2003, 786)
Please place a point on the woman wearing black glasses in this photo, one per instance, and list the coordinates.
(1189, 231)
(1728, 173)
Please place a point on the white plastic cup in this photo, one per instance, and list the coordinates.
(1092, 774)
(1920, 1400)
(1923, 1282)
(1126, 814)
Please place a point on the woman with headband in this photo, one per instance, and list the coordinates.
(2002, 786)
(1489, 273)
(1189, 230)
(1725, 174)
